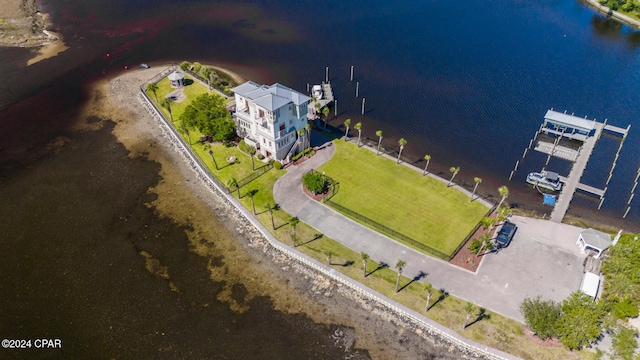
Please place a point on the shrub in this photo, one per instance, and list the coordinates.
(277, 165)
(260, 157)
(475, 246)
(185, 65)
(541, 316)
(242, 145)
(314, 182)
(271, 161)
(625, 308)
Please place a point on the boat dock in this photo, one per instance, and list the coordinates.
(572, 181)
(327, 98)
(588, 132)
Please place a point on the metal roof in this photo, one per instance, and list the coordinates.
(270, 97)
(596, 239)
(569, 121)
(176, 76)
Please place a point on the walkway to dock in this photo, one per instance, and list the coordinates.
(573, 180)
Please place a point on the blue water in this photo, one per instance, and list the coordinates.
(466, 82)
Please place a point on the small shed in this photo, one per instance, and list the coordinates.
(176, 79)
(590, 284)
(594, 240)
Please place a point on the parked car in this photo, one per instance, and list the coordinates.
(506, 233)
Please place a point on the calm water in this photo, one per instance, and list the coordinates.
(465, 82)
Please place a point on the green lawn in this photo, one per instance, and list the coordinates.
(191, 91)
(496, 330)
(402, 199)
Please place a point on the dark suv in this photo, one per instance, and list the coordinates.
(506, 234)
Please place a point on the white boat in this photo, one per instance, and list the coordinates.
(546, 180)
(317, 92)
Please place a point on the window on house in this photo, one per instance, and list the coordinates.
(281, 127)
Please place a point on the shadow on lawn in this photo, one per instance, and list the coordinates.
(315, 237)
(380, 267)
(421, 275)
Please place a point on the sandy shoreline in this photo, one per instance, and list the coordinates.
(182, 197)
(23, 25)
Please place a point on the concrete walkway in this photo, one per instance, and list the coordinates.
(527, 268)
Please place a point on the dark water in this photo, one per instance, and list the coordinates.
(465, 82)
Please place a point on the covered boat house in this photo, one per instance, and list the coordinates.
(568, 126)
(593, 241)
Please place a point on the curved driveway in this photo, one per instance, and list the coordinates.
(532, 265)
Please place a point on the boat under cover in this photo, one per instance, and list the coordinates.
(546, 180)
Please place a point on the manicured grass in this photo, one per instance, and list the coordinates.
(495, 330)
(402, 199)
(191, 91)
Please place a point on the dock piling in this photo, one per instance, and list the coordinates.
(357, 87)
(351, 78)
(326, 76)
(626, 212)
(363, 106)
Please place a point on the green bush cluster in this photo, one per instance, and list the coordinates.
(314, 182)
(277, 165)
(307, 151)
(260, 157)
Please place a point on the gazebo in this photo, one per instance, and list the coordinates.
(594, 240)
(176, 79)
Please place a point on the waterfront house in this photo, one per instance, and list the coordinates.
(269, 117)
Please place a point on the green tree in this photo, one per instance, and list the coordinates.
(184, 130)
(252, 193)
(504, 192)
(210, 151)
(379, 135)
(294, 223)
(270, 208)
(402, 142)
(579, 324)
(206, 73)
(166, 103)
(208, 114)
(541, 316)
(314, 182)
(185, 65)
(196, 67)
(454, 171)
(358, 127)
(153, 87)
(400, 267)
(365, 259)
(308, 128)
(346, 132)
(428, 288)
(252, 151)
(428, 158)
(624, 342)
(469, 310)
(325, 113)
(328, 254)
(233, 184)
(477, 180)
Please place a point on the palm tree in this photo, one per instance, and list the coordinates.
(325, 112)
(402, 142)
(252, 151)
(233, 183)
(208, 147)
(469, 308)
(428, 158)
(346, 133)
(206, 73)
(328, 253)
(454, 170)
(477, 180)
(429, 289)
(270, 209)
(185, 130)
(166, 103)
(308, 127)
(359, 128)
(504, 192)
(379, 135)
(153, 87)
(400, 267)
(252, 193)
(365, 258)
(301, 135)
(293, 223)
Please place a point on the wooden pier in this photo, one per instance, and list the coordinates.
(327, 98)
(573, 180)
